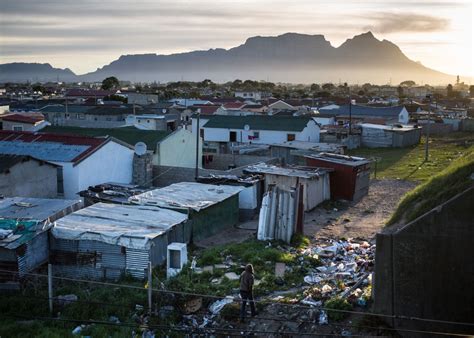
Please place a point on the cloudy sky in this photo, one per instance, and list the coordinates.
(86, 34)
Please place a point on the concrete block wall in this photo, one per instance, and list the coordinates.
(425, 269)
(143, 170)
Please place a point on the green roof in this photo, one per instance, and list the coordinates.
(130, 135)
(255, 122)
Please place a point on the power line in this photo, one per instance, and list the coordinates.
(301, 321)
(239, 300)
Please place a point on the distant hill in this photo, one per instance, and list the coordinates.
(291, 57)
(34, 72)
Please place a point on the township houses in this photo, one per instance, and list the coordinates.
(23, 122)
(82, 161)
(225, 130)
(379, 115)
(109, 240)
(175, 149)
(24, 225)
(376, 135)
(107, 117)
(210, 208)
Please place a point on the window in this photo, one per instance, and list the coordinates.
(60, 181)
(201, 133)
(233, 136)
(290, 137)
(256, 135)
(17, 128)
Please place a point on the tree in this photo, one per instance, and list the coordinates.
(408, 83)
(449, 90)
(400, 91)
(110, 83)
(328, 86)
(471, 91)
(361, 93)
(315, 87)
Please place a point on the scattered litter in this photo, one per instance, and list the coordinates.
(114, 319)
(313, 279)
(326, 289)
(231, 276)
(78, 329)
(66, 299)
(323, 318)
(218, 305)
(138, 307)
(309, 301)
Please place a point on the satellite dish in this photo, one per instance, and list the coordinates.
(140, 148)
(246, 127)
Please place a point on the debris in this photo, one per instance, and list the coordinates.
(208, 268)
(78, 329)
(114, 319)
(323, 318)
(326, 289)
(216, 280)
(310, 301)
(66, 299)
(313, 279)
(218, 305)
(192, 305)
(220, 266)
(280, 269)
(231, 276)
(165, 311)
(138, 307)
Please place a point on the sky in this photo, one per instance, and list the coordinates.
(84, 35)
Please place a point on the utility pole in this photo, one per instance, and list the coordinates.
(350, 113)
(198, 129)
(428, 129)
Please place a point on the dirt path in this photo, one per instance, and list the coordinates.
(362, 219)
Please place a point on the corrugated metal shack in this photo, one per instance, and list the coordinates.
(250, 198)
(376, 135)
(109, 240)
(290, 152)
(315, 182)
(118, 193)
(350, 178)
(23, 248)
(210, 208)
(37, 208)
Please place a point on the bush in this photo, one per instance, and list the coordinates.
(299, 241)
(337, 303)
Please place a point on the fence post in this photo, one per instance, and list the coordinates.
(150, 287)
(50, 288)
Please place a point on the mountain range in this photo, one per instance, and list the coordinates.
(291, 58)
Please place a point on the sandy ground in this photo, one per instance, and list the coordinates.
(351, 220)
(357, 220)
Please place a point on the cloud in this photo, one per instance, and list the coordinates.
(403, 22)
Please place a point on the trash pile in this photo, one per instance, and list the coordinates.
(345, 271)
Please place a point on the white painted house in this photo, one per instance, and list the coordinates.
(83, 161)
(178, 149)
(259, 129)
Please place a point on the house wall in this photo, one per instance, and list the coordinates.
(8, 125)
(425, 269)
(406, 138)
(375, 138)
(324, 121)
(404, 116)
(111, 163)
(30, 179)
(86, 120)
(178, 150)
(310, 134)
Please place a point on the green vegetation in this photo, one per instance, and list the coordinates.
(262, 255)
(436, 190)
(130, 135)
(337, 303)
(409, 163)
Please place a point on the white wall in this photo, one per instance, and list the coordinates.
(179, 150)
(248, 198)
(404, 117)
(308, 134)
(111, 163)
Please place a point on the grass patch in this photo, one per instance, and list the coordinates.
(438, 189)
(337, 303)
(409, 163)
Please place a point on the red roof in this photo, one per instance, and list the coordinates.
(206, 109)
(233, 105)
(22, 118)
(94, 143)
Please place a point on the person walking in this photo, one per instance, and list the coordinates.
(246, 291)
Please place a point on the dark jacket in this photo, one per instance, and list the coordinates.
(246, 281)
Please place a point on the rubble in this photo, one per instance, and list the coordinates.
(346, 265)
